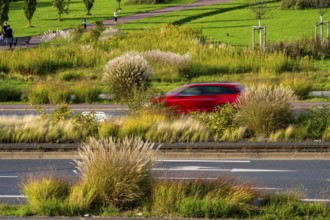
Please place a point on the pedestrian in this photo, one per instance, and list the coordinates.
(84, 23)
(9, 36)
(4, 30)
(115, 15)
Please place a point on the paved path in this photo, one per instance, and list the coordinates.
(108, 23)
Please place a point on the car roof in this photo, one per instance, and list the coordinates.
(213, 83)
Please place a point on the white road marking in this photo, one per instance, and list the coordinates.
(315, 200)
(12, 196)
(8, 176)
(258, 170)
(267, 188)
(328, 180)
(191, 168)
(186, 178)
(208, 161)
(213, 169)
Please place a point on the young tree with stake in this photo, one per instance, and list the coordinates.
(29, 8)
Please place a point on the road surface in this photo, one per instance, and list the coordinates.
(310, 176)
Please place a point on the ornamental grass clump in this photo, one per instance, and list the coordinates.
(118, 170)
(265, 108)
(46, 195)
(127, 72)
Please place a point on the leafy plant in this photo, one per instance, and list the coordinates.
(315, 120)
(29, 8)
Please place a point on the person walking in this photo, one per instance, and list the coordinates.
(9, 36)
(84, 23)
(115, 15)
(4, 30)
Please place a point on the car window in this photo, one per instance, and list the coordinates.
(215, 90)
(192, 91)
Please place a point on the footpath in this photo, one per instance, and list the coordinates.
(35, 40)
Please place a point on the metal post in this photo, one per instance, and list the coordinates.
(264, 39)
(253, 38)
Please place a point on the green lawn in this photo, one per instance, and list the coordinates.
(230, 24)
(45, 17)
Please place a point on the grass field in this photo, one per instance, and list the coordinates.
(229, 18)
(45, 17)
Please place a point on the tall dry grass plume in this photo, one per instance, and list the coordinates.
(118, 170)
(265, 108)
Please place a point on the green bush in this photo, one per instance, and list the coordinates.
(300, 86)
(298, 4)
(264, 109)
(300, 48)
(127, 72)
(315, 121)
(86, 93)
(221, 119)
(54, 93)
(10, 93)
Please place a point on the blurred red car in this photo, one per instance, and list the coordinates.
(200, 96)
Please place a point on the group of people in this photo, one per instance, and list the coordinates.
(115, 15)
(7, 34)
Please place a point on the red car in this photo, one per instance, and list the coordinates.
(200, 96)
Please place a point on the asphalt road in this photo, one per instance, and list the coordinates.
(312, 177)
(111, 110)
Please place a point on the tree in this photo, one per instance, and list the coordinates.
(322, 6)
(4, 9)
(88, 4)
(29, 8)
(118, 4)
(259, 8)
(61, 7)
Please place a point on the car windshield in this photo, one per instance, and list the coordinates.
(176, 90)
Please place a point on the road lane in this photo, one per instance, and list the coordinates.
(310, 176)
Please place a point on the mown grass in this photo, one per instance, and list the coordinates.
(45, 17)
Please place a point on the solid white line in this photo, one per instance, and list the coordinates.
(12, 196)
(8, 176)
(315, 200)
(207, 161)
(259, 170)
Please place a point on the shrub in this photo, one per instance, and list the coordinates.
(108, 129)
(86, 93)
(300, 48)
(297, 4)
(9, 93)
(301, 87)
(315, 121)
(119, 170)
(54, 93)
(168, 66)
(263, 108)
(219, 120)
(46, 195)
(234, 134)
(127, 72)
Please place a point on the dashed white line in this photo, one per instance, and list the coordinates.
(192, 168)
(8, 176)
(258, 170)
(315, 200)
(208, 161)
(12, 196)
